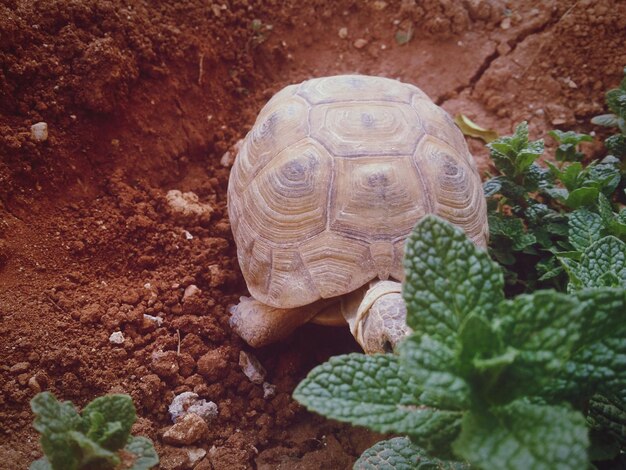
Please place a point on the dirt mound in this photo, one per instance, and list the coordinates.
(145, 99)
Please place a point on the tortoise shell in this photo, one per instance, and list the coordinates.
(332, 178)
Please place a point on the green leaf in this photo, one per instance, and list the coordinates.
(585, 228)
(616, 100)
(569, 175)
(40, 464)
(113, 417)
(492, 186)
(608, 414)
(568, 143)
(143, 450)
(447, 277)
(511, 228)
(400, 453)
(542, 329)
(514, 154)
(374, 391)
(606, 120)
(596, 362)
(54, 420)
(92, 453)
(522, 436)
(580, 197)
(616, 144)
(433, 365)
(607, 255)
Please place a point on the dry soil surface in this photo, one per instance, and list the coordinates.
(145, 97)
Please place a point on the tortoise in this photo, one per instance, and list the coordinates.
(324, 190)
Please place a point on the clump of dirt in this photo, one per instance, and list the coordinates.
(117, 223)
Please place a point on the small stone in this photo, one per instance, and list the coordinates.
(269, 390)
(39, 132)
(34, 385)
(343, 33)
(188, 235)
(379, 5)
(251, 366)
(187, 203)
(152, 318)
(189, 402)
(227, 159)
(506, 23)
(360, 43)
(195, 455)
(116, 338)
(189, 430)
(19, 367)
(191, 291)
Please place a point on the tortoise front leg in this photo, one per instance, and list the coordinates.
(259, 324)
(377, 316)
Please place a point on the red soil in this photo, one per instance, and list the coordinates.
(145, 98)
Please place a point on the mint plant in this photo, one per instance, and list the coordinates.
(482, 380)
(537, 214)
(91, 440)
(616, 101)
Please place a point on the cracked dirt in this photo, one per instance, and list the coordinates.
(146, 98)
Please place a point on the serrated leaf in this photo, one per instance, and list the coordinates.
(616, 100)
(585, 228)
(116, 408)
(605, 210)
(447, 277)
(607, 255)
(143, 450)
(400, 453)
(91, 453)
(433, 366)
(514, 154)
(581, 197)
(542, 329)
(522, 436)
(54, 420)
(511, 228)
(604, 176)
(471, 129)
(606, 120)
(569, 175)
(616, 144)
(596, 362)
(492, 186)
(608, 414)
(374, 391)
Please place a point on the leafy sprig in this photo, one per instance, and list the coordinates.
(496, 383)
(92, 439)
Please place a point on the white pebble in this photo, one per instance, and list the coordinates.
(157, 320)
(116, 337)
(343, 33)
(227, 159)
(269, 390)
(188, 236)
(189, 402)
(39, 132)
(251, 366)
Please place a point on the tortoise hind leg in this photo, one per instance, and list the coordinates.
(259, 324)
